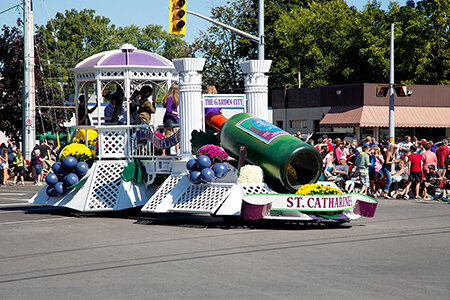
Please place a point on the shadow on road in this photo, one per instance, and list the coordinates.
(180, 220)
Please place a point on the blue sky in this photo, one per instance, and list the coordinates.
(124, 13)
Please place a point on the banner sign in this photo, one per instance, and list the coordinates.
(160, 143)
(224, 101)
(260, 129)
(319, 203)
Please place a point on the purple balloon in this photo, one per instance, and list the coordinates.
(191, 165)
(207, 175)
(70, 179)
(81, 168)
(56, 167)
(51, 179)
(220, 169)
(59, 188)
(194, 177)
(203, 162)
(51, 191)
(69, 163)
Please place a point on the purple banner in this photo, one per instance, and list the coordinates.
(159, 143)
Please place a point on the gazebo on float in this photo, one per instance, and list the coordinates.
(126, 66)
(104, 189)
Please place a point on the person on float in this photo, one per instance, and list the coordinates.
(211, 90)
(83, 116)
(171, 117)
(142, 105)
(116, 97)
(109, 109)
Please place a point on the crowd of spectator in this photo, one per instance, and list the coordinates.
(15, 169)
(408, 168)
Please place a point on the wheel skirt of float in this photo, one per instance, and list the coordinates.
(255, 201)
(308, 207)
(104, 190)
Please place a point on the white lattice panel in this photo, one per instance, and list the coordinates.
(85, 76)
(106, 186)
(147, 74)
(161, 193)
(201, 198)
(112, 74)
(112, 143)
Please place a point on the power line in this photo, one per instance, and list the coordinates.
(6, 10)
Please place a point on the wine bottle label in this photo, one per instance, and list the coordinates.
(260, 129)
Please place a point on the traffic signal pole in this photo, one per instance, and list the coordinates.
(240, 32)
(259, 39)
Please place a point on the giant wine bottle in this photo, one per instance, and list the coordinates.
(285, 158)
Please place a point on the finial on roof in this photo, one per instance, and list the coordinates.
(127, 47)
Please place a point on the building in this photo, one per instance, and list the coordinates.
(356, 109)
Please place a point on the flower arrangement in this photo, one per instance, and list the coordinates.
(250, 174)
(79, 151)
(215, 153)
(317, 189)
(80, 136)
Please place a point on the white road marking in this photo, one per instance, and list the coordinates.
(34, 221)
(12, 194)
(14, 199)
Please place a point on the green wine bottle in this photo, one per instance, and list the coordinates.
(285, 158)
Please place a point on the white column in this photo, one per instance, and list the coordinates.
(190, 100)
(256, 87)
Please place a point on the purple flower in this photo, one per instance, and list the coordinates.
(215, 153)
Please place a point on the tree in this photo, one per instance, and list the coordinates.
(224, 49)
(11, 85)
(331, 43)
(75, 35)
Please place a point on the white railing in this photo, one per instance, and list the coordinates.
(121, 142)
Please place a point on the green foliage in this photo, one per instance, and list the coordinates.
(75, 35)
(331, 43)
(223, 49)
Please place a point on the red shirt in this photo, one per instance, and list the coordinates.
(415, 160)
(442, 153)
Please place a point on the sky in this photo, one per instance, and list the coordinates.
(137, 12)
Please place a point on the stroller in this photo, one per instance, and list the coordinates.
(436, 186)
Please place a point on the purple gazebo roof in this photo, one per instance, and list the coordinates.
(127, 55)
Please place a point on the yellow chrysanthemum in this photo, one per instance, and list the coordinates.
(317, 189)
(79, 151)
(80, 137)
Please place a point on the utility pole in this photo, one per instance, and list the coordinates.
(28, 94)
(391, 94)
(391, 91)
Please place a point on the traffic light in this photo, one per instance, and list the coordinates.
(402, 91)
(382, 91)
(177, 16)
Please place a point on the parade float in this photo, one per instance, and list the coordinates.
(253, 170)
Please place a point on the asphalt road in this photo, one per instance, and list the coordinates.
(52, 253)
